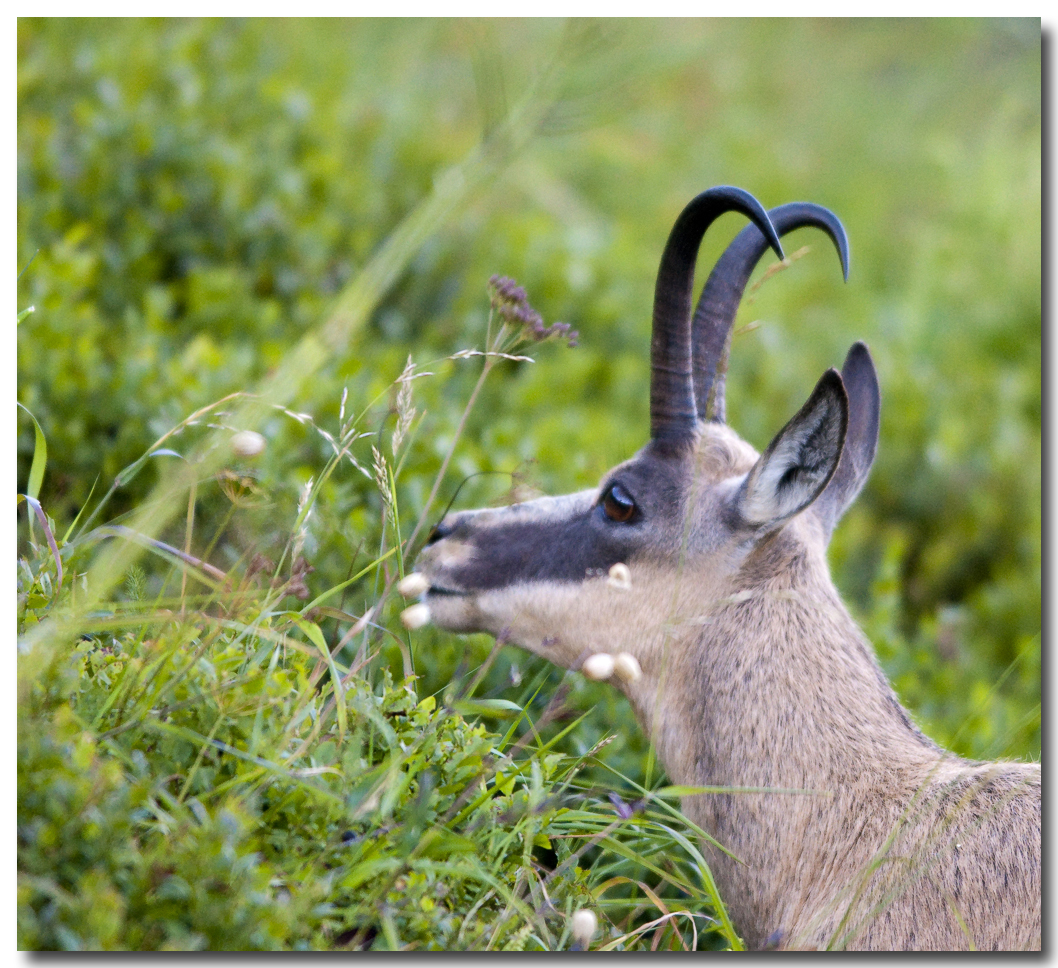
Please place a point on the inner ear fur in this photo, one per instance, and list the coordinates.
(800, 461)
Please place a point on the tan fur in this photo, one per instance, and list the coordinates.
(755, 675)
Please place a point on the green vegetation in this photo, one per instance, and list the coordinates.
(226, 740)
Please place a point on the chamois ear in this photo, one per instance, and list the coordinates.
(861, 441)
(800, 461)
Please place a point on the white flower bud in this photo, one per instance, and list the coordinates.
(413, 585)
(247, 443)
(627, 667)
(599, 666)
(620, 577)
(583, 926)
(415, 616)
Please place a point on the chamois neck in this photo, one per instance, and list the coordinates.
(778, 670)
(780, 690)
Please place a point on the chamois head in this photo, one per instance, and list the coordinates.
(693, 510)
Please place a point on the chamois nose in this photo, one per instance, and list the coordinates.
(442, 529)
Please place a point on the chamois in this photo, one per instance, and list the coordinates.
(741, 661)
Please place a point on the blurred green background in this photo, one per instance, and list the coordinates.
(197, 193)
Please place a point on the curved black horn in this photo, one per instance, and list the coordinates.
(723, 290)
(672, 412)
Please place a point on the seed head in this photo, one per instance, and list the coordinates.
(510, 301)
(583, 926)
(415, 616)
(627, 667)
(413, 585)
(405, 411)
(599, 666)
(620, 577)
(303, 517)
(247, 443)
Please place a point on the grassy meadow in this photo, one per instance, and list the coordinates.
(226, 738)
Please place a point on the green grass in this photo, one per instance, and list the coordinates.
(244, 225)
(204, 767)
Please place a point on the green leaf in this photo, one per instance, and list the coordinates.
(128, 473)
(489, 708)
(440, 843)
(25, 267)
(505, 784)
(316, 637)
(73, 524)
(43, 518)
(40, 459)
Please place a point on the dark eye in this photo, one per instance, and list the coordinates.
(618, 504)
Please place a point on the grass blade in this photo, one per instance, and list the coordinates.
(40, 459)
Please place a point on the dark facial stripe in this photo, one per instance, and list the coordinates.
(564, 551)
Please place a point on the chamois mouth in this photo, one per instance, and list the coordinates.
(438, 590)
